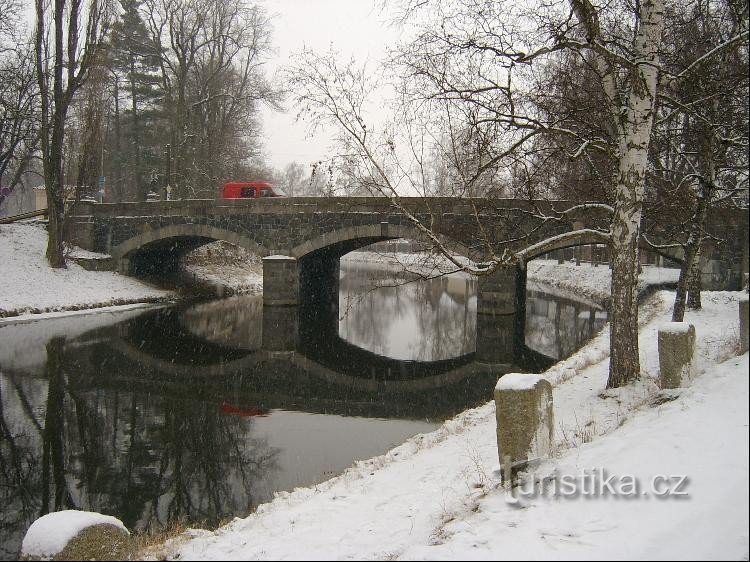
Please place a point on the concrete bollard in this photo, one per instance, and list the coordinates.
(743, 325)
(525, 419)
(76, 535)
(676, 348)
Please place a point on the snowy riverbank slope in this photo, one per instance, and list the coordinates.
(30, 286)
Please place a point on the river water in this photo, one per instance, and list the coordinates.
(201, 411)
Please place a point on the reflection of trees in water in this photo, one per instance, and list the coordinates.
(20, 464)
(436, 316)
(146, 459)
(449, 325)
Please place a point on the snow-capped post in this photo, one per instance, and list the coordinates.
(676, 347)
(743, 324)
(525, 420)
(76, 535)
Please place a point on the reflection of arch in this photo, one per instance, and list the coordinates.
(199, 233)
(452, 376)
(182, 370)
(349, 236)
(309, 366)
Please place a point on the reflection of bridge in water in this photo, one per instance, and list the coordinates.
(296, 361)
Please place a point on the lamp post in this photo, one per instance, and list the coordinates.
(168, 174)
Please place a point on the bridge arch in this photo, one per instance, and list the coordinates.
(353, 237)
(191, 235)
(586, 237)
(578, 238)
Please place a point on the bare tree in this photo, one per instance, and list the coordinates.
(699, 153)
(69, 36)
(18, 100)
(290, 179)
(479, 67)
(212, 76)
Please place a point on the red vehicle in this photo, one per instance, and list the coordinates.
(248, 190)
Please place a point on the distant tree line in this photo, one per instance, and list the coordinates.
(161, 88)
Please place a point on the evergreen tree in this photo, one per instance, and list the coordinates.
(134, 62)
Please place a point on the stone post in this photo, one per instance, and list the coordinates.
(525, 419)
(280, 281)
(743, 324)
(676, 346)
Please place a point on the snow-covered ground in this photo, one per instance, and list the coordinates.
(438, 496)
(28, 285)
(230, 269)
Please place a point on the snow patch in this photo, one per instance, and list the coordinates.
(676, 327)
(518, 381)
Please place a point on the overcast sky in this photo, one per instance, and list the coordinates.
(352, 27)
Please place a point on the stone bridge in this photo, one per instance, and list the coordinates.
(302, 239)
(312, 233)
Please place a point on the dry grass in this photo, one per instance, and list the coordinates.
(152, 545)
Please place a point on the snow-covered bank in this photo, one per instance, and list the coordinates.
(30, 286)
(590, 281)
(437, 496)
(231, 270)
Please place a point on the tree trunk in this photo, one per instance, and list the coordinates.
(678, 310)
(53, 174)
(635, 133)
(694, 284)
(56, 214)
(140, 189)
(624, 363)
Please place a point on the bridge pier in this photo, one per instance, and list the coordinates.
(280, 281)
(501, 315)
(312, 279)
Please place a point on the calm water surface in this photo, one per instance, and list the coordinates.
(203, 410)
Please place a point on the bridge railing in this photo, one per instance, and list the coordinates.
(29, 215)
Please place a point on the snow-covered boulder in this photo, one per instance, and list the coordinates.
(76, 535)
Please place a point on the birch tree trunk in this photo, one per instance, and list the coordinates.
(694, 282)
(635, 134)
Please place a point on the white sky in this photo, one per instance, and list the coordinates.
(352, 27)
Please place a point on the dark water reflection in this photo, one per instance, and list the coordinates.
(202, 411)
